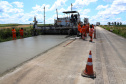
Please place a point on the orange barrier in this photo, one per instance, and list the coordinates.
(88, 72)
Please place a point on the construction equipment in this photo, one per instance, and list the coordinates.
(34, 32)
(86, 21)
(68, 21)
(65, 25)
(97, 23)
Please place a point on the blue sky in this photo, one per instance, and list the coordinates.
(23, 11)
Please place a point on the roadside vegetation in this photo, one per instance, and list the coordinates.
(117, 29)
(9, 25)
(6, 33)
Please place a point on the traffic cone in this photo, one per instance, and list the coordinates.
(88, 72)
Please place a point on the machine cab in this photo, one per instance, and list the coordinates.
(72, 19)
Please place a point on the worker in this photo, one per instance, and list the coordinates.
(79, 28)
(91, 33)
(92, 26)
(84, 34)
(13, 34)
(88, 28)
(94, 33)
(21, 33)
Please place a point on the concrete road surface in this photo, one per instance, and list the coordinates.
(63, 65)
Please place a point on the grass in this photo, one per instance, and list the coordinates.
(9, 25)
(118, 29)
(6, 34)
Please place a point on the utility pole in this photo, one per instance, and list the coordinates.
(44, 16)
(71, 6)
(57, 14)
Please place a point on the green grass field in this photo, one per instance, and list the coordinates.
(119, 29)
(9, 25)
(6, 33)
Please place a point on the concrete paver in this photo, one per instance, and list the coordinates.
(63, 65)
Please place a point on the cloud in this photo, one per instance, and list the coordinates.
(30, 19)
(109, 12)
(5, 6)
(108, 0)
(86, 11)
(61, 10)
(58, 3)
(15, 10)
(117, 7)
(100, 18)
(118, 19)
(4, 16)
(83, 13)
(18, 4)
(102, 7)
(39, 9)
(1, 10)
(81, 3)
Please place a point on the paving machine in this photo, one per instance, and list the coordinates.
(72, 19)
(65, 25)
(97, 23)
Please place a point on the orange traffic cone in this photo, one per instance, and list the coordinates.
(88, 72)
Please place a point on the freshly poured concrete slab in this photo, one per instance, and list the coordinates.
(13, 53)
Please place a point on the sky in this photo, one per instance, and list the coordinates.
(23, 11)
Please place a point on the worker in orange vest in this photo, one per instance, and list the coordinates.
(88, 28)
(92, 26)
(91, 31)
(13, 34)
(84, 34)
(21, 33)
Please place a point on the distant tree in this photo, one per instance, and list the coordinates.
(114, 23)
(109, 23)
(120, 23)
(117, 23)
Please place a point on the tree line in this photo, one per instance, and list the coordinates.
(114, 23)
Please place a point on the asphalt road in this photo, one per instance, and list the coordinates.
(63, 65)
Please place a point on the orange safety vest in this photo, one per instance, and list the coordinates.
(79, 28)
(93, 26)
(91, 31)
(21, 31)
(13, 31)
(87, 28)
(83, 29)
